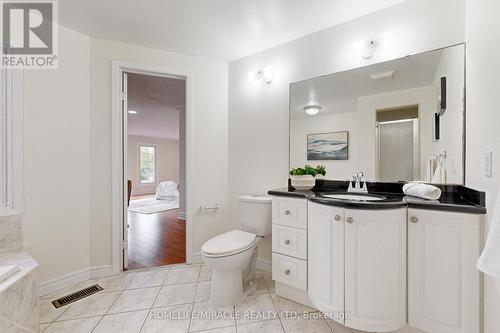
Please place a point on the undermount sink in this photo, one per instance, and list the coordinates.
(355, 197)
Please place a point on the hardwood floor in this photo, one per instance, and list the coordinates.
(156, 239)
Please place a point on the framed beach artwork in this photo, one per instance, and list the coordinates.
(328, 146)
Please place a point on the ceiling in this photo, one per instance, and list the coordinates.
(337, 93)
(219, 29)
(157, 101)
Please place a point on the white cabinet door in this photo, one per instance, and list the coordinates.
(375, 269)
(326, 259)
(443, 282)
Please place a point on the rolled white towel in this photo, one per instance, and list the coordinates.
(423, 191)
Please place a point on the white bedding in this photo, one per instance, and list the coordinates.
(151, 205)
(166, 190)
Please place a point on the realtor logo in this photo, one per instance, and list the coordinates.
(29, 33)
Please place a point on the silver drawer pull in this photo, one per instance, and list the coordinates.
(414, 219)
(287, 271)
(287, 212)
(349, 220)
(287, 242)
(337, 218)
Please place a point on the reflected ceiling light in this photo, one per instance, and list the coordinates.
(132, 112)
(369, 49)
(312, 110)
(384, 75)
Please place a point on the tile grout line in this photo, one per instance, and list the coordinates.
(235, 324)
(120, 293)
(154, 301)
(114, 302)
(105, 291)
(53, 321)
(194, 300)
(279, 316)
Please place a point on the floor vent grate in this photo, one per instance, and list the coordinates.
(77, 295)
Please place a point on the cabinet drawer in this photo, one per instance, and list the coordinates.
(290, 271)
(290, 212)
(290, 241)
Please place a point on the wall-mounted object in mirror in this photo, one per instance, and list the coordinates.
(328, 146)
(435, 128)
(388, 110)
(441, 96)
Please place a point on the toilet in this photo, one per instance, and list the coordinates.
(232, 255)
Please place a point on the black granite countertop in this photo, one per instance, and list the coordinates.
(454, 198)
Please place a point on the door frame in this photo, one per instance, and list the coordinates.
(118, 175)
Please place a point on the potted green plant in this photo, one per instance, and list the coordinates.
(305, 178)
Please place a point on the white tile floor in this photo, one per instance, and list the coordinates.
(175, 299)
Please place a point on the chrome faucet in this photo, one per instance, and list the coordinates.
(357, 184)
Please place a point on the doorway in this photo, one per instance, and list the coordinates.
(150, 168)
(398, 144)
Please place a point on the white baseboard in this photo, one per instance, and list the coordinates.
(100, 271)
(196, 258)
(264, 265)
(73, 278)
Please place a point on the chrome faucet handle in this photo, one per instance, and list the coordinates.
(361, 175)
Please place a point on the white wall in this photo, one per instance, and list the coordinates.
(208, 135)
(362, 135)
(67, 223)
(483, 103)
(258, 117)
(167, 162)
(451, 122)
(56, 160)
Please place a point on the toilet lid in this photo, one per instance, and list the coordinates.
(228, 242)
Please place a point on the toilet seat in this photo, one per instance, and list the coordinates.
(229, 243)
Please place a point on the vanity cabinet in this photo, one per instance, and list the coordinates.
(379, 270)
(357, 265)
(443, 282)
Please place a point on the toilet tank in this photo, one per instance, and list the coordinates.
(256, 214)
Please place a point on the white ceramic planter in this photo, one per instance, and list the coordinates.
(303, 183)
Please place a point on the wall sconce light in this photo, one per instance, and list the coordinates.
(312, 110)
(265, 74)
(369, 49)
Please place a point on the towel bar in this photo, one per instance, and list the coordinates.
(211, 207)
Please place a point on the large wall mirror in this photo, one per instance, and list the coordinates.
(401, 120)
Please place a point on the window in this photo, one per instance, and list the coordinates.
(147, 164)
(11, 141)
(3, 135)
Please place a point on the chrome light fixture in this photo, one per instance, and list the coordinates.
(266, 74)
(369, 49)
(312, 110)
